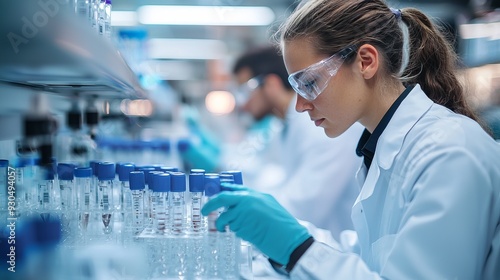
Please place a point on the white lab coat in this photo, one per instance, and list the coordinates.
(320, 185)
(429, 207)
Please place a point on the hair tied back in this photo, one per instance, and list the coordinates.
(396, 13)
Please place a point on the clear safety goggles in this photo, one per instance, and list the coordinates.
(312, 81)
(243, 92)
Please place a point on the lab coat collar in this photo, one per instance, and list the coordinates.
(409, 112)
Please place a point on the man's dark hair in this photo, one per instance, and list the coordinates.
(263, 61)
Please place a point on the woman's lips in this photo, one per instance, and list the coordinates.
(318, 122)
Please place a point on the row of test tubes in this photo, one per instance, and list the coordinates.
(154, 207)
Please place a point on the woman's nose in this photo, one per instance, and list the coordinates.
(302, 104)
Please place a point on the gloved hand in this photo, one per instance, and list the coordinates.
(259, 219)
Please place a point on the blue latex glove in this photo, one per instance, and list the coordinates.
(259, 219)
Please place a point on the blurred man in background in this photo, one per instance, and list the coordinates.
(318, 185)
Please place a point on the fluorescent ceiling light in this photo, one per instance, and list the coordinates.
(124, 18)
(206, 15)
(186, 49)
(480, 30)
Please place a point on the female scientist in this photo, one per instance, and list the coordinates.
(429, 207)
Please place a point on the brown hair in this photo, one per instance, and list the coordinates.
(335, 24)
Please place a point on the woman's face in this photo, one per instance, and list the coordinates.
(343, 101)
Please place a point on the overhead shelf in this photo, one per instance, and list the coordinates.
(46, 46)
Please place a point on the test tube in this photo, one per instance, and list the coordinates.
(93, 182)
(105, 176)
(212, 187)
(169, 169)
(196, 188)
(137, 185)
(83, 178)
(65, 173)
(178, 188)
(124, 176)
(229, 249)
(146, 203)
(151, 200)
(23, 184)
(47, 194)
(161, 201)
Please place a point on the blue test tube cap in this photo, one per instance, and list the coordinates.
(183, 145)
(83, 172)
(66, 171)
(124, 171)
(197, 170)
(178, 182)
(49, 173)
(137, 180)
(93, 164)
(169, 169)
(149, 179)
(161, 181)
(105, 171)
(165, 146)
(212, 184)
(196, 182)
(49, 170)
(237, 176)
(23, 162)
(119, 165)
(157, 167)
(144, 168)
(4, 163)
(226, 178)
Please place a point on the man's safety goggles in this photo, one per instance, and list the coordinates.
(312, 81)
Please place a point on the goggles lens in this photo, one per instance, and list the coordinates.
(243, 92)
(312, 81)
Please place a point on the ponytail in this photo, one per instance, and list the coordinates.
(433, 64)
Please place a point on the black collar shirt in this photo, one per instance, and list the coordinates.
(368, 141)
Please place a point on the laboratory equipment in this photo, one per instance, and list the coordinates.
(105, 18)
(83, 184)
(212, 255)
(65, 175)
(137, 186)
(124, 178)
(82, 8)
(48, 194)
(196, 189)
(161, 182)
(150, 198)
(237, 176)
(169, 169)
(105, 176)
(24, 191)
(178, 189)
(76, 146)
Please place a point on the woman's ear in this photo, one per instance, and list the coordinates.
(368, 60)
